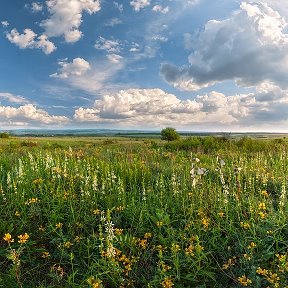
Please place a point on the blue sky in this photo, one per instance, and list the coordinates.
(144, 64)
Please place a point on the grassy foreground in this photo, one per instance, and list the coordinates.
(142, 215)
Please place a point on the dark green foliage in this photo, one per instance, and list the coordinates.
(169, 134)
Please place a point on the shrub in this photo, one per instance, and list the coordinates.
(169, 134)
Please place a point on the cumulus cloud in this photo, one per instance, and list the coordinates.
(156, 108)
(161, 9)
(76, 68)
(66, 17)
(30, 40)
(108, 45)
(29, 114)
(12, 98)
(139, 4)
(250, 47)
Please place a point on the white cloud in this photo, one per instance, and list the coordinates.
(156, 108)
(118, 6)
(114, 58)
(159, 38)
(13, 98)
(161, 9)
(36, 7)
(247, 48)
(113, 22)
(139, 4)
(66, 17)
(76, 68)
(30, 40)
(91, 78)
(108, 45)
(5, 23)
(29, 114)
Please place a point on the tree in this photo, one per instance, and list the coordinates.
(169, 134)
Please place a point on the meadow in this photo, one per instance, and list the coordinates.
(198, 212)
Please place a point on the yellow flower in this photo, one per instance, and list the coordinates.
(23, 238)
(159, 223)
(143, 243)
(230, 262)
(94, 282)
(8, 238)
(262, 215)
(175, 248)
(190, 250)
(147, 235)
(262, 206)
(17, 214)
(118, 231)
(59, 225)
(261, 271)
(264, 193)
(96, 211)
(45, 254)
(68, 244)
(252, 245)
(244, 280)
(245, 225)
(167, 283)
(41, 228)
(221, 214)
(205, 222)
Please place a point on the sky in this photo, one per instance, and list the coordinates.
(195, 65)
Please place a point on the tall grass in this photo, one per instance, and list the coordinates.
(133, 216)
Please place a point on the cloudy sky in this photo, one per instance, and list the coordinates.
(196, 65)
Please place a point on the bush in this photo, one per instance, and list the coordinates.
(4, 135)
(169, 134)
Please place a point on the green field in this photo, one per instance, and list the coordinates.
(139, 212)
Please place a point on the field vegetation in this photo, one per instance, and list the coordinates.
(197, 212)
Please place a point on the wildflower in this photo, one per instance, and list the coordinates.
(245, 225)
(164, 266)
(68, 244)
(41, 228)
(247, 256)
(269, 232)
(262, 215)
(252, 245)
(17, 214)
(190, 250)
(23, 238)
(159, 223)
(96, 212)
(175, 248)
(261, 271)
(199, 248)
(244, 280)
(265, 194)
(45, 254)
(147, 235)
(230, 262)
(221, 214)
(118, 231)
(167, 283)
(143, 243)
(262, 206)
(8, 238)
(78, 239)
(59, 225)
(205, 222)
